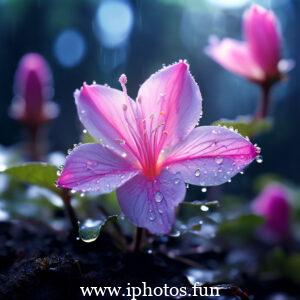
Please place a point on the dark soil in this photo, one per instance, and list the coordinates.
(37, 262)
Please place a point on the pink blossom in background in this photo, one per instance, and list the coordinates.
(150, 147)
(33, 91)
(273, 204)
(258, 57)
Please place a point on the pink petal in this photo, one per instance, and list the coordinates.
(92, 167)
(262, 35)
(172, 98)
(235, 57)
(211, 155)
(100, 109)
(150, 203)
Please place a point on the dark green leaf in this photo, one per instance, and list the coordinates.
(40, 174)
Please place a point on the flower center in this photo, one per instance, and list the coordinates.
(148, 133)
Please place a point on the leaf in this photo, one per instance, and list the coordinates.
(241, 226)
(40, 174)
(246, 126)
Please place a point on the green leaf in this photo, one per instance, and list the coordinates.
(246, 126)
(242, 226)
(40, 174)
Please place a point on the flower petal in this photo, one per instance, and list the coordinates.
(92, 167)
(172, 97)
(211, 155)
(150, 203)
(235, 57)
(263, 38)
(100, 109)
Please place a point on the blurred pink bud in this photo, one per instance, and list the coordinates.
(274, 206)
(258, 58)
(33, 91)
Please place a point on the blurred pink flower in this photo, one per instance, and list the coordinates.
(150, 147)
(33, 91)
(258, 58)
(273, 204)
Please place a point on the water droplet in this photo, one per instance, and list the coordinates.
(124, 154)
(241, 172)
(151, 215)
(218, 160)
(90, 230)
(82, 195)
(177, 180)
(197, 173)
(91, 164)
(187, 185)
(84, 131)
(158, 197)
(83, 111)
(175, 233)
(58, 173)
(229, 180)
(204, 208)
(204, 190)
(259, 159)
(73, 191)
(149, 251)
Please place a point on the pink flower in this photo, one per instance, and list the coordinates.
(258, 58)
(150, 147)
(273, 204)
(33, 90)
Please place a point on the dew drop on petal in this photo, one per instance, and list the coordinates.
(187, 185)
(204, 190)
(259, 159)
(84, 131)
(158, 197)
(151, 215)
(197, 172)
(177, 180)
(218, 160)
(124, 154)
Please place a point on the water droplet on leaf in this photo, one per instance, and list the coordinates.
(197, 173)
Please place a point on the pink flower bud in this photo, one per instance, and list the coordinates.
(33, 91)
(258, 57)
(263, 37)
(274, 206)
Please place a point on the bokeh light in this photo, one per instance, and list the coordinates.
(69, 48)
(229, 3)
(113, 22)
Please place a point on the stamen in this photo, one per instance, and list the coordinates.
(123, 81)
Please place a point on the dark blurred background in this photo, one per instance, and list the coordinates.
(86, 40)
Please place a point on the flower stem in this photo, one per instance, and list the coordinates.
(263, 107)
(70, 211)
(138, 239)
(34, 143)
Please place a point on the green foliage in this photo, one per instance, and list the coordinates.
(246, 126)
(240, 227)
(40, 174)
(283, 265)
